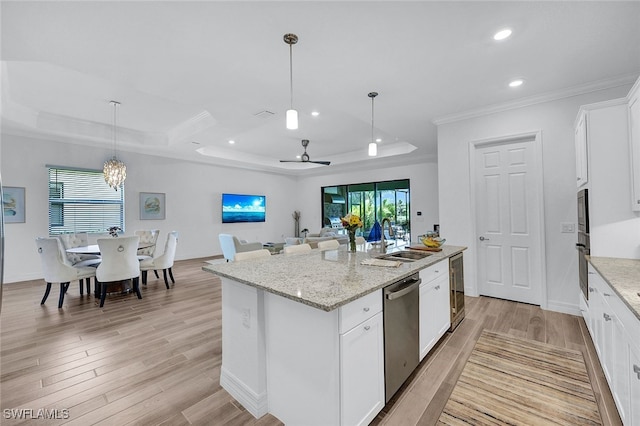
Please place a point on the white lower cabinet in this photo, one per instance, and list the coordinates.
(325, 368)
(613, 330)
(435, 316)
(361, 376)
(634, 386)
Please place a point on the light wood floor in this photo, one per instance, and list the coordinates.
(157, 360)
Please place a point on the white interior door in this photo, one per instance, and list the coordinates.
(508, 220)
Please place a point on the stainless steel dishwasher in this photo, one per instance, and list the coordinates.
(401, 332)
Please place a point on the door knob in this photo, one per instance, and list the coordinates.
(483, 239)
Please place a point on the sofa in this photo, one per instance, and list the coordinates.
(325, 234)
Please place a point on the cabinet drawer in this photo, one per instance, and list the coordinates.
(360, 310)
(435, 271)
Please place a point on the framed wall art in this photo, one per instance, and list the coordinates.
(152, 206)
(13, 204)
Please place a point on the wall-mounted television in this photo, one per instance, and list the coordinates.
(243, 208)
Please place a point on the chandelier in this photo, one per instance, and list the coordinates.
(115, 171)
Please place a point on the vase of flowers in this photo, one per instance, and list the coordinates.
(351, 222)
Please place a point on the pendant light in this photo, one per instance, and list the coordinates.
(115, 172)
(373, 146)
(292, 114)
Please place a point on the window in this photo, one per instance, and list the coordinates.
(81, 201)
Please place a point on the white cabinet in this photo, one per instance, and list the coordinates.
(580, 139)
(634, 387)
(362, 368)
(634, 143)
(325, 368)
(435, 317)
(615, 332)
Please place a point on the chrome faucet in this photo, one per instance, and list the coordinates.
(383, 246)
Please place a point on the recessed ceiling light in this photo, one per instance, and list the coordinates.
(232, 142)
(378, 140)
(315, 113)
(516, 83)
(502, 34)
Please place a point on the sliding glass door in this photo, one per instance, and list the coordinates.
(372, 201)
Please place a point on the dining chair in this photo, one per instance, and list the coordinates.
(147, 237)
(360, 240)
(254, 254)
(164, 261)
(230, 245)
(119, 263)
(328, 245)
(300, 248)
(56, 268)
(79, 239)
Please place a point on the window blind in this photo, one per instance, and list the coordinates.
(81, 201)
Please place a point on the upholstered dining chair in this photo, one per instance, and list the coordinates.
(300, 248)
(164, 261)
(328, 245)
(254, 254)
(56, 268)
(119, 263)
(79, 239)
(147, 236)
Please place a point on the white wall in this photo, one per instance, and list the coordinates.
(423, 186)
(192, 199)
(555, 119)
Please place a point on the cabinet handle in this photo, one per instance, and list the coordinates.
(366, 309)
(367, 327)
(636, 370)
(606, 317)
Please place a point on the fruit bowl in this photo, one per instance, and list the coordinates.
(432, 242)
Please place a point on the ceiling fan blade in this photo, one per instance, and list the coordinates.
(325, 163)
(290, 161)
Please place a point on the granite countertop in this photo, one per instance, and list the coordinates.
(323, 279)
(623, 275)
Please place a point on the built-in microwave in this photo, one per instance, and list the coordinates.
(583, 211)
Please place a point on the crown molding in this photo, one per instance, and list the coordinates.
(538, 99)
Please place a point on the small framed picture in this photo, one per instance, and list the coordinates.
(152, 206)
(13, 204)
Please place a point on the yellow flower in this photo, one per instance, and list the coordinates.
(351, 221)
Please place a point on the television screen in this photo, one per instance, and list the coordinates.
(243, 208)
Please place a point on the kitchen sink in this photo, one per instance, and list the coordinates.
(406, 256)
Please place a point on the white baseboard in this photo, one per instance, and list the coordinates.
(256, 404)
(563, 307)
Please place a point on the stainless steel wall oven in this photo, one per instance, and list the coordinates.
(583, 245)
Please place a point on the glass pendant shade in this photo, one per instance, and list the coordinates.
(115, 172)
(292, 119)
(373, 149)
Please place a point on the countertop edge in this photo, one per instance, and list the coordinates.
(613, 285)
(420, 265)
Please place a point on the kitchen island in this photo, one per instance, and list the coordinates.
(302, 334)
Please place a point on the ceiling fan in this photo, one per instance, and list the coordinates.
(304, 158)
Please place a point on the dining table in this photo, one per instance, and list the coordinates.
(95, 249)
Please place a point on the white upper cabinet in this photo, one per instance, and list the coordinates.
(582, 175)
(634, 143)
